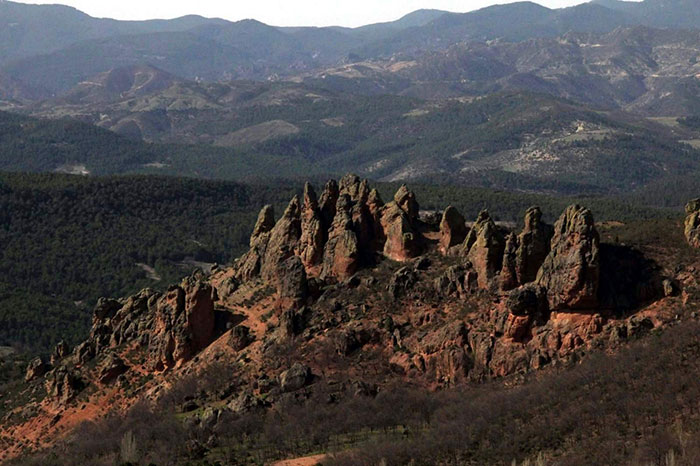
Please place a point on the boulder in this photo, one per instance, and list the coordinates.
(240, 337)
(36, 368)
(61, 351)
(453, 229)
(571, 270)
(402, 281)
(112, 368)
(296, 377)
(291, 280)
(62, 385)
(692, 223)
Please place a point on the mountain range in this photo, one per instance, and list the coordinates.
(52, 48)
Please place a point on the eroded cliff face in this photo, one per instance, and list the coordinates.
(343, 278)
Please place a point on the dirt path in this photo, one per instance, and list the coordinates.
(304, 461)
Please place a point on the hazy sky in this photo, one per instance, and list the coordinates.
(281, 12)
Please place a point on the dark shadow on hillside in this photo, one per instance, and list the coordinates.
(628, 280)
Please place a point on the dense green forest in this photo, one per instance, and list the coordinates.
(67, 240)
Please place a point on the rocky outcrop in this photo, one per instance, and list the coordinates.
(692, 223)
(457, 280)
(294, 378)
(113, 367)
(291, 280)
(398, 222)
(402, 281)
(249, 265)
(453, 229)
(341, 256)
(327, 203)
(527, 306)
(240, 337)
(525, 253)
(509, 275)
(61, 351)
(313, 234)
(533, 246)
(36, 368)
(184, 323)
(484, 246)
(283, 241)
(62, 385)
(406, 200)
(571, 271)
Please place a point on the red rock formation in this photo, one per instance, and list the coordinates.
(406, 200)
(692, 223)
(509, 276)
(533, 246)
(484, 246)
(571, 270)
(184, 323)
(327, 202)
(398, 220)
(283, 241)
(341, 256)
(453, 229)
(313, 235)
(249, 265)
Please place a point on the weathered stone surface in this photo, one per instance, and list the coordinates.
(240, 337)
(184, 323)
(264, 224)
(356, 189)
(327, 203)
(283, 241)
(484, 246)
(571, 270)
(406, 200)
(402, 240)
(509, 275)
(313, 235)
(249, 265)
(62, 385)
(36, 368)
(533, 246)
(453, 229)
(402, 281)
(291, 280)
(296, 377)
(341, 255)
(61, 351)
(527, 306)
(112, 368)
(692, 223)
(459, 280)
